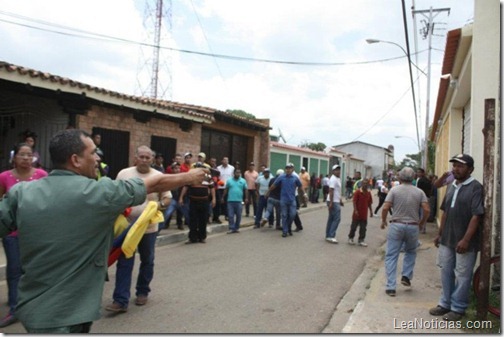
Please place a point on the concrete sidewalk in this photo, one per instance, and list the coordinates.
(372, 311)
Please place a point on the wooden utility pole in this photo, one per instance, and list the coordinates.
(488, 185)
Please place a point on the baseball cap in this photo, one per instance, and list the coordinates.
(289, 165)
(303, 168)
(174, 164)
(279, 171)
(187, 154)
(251, 163)
(464, 159)
(266, 169)
(202, 155)
(335, 167)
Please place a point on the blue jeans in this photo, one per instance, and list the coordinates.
(11, 248)
(397, 234)
(261, 206)
(288, 209)
(172, 207)
(234, 209)
(333, 220)
(273, 205)
(456, 277)
(124, 271)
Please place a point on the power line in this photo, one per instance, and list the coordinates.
(108, 38)
(388, 111)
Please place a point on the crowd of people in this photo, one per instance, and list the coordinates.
(199, 192)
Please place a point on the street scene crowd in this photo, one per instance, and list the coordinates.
(56, 252)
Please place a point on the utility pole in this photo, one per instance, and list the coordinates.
(429, 14)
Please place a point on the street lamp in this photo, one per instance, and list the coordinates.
(371, 41)
(413, 140)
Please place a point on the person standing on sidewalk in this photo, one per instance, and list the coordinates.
(305, 181)
(250, 177)
(334, 204)
(362, 201)
(200, 196)
(458, 239)
(425, 185)
(225, 173)
(406, 200)
(262, 186)
(236, 189)
(144, 157)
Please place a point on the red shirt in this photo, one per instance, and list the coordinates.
(184, 168)
(361, 201)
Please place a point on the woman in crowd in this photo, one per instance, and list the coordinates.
(22, 171)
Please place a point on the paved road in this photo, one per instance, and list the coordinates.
(252, 282)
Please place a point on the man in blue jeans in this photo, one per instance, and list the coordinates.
(458, 239)
(236, 188)
(334, 203)
(289, 183)
(143, 158)
(406, 200)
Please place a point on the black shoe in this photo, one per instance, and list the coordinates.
(453, 316)
(390, 292)
(284, 235)
(438, 311)
(298, 230)
(405, 281)
(290, 233)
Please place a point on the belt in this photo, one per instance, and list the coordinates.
(198, 198)
(406, 223)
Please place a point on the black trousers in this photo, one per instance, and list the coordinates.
(362, 229)
(198, 217)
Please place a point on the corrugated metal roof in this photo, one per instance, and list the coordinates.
(194, 112)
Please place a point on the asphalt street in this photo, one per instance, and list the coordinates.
(251, 282)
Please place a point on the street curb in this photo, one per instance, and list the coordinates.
(351, 302)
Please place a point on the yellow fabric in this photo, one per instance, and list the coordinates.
(150, 215)
(120, 225)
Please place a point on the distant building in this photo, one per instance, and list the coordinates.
(377, 159)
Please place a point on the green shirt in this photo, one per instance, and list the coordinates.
(65, 226)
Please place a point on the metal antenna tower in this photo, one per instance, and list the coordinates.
(154, 78)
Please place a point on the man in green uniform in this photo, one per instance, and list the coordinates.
(65, 230)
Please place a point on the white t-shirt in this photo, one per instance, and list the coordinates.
(225, 174)
(131, 172)
(335, 183)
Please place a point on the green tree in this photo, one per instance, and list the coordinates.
(241, 113)
(313, 146)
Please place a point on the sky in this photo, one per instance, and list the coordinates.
(305, 65)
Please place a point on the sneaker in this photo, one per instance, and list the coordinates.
(263, 222)
(453, 316)
(284, 235)
(390, 292)
(8, 320)
(405, 281)
(332, 240)
(290, 233)
(351, 241)
(362, 244)
(141, 300)
(438, 311)
(116, 307)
